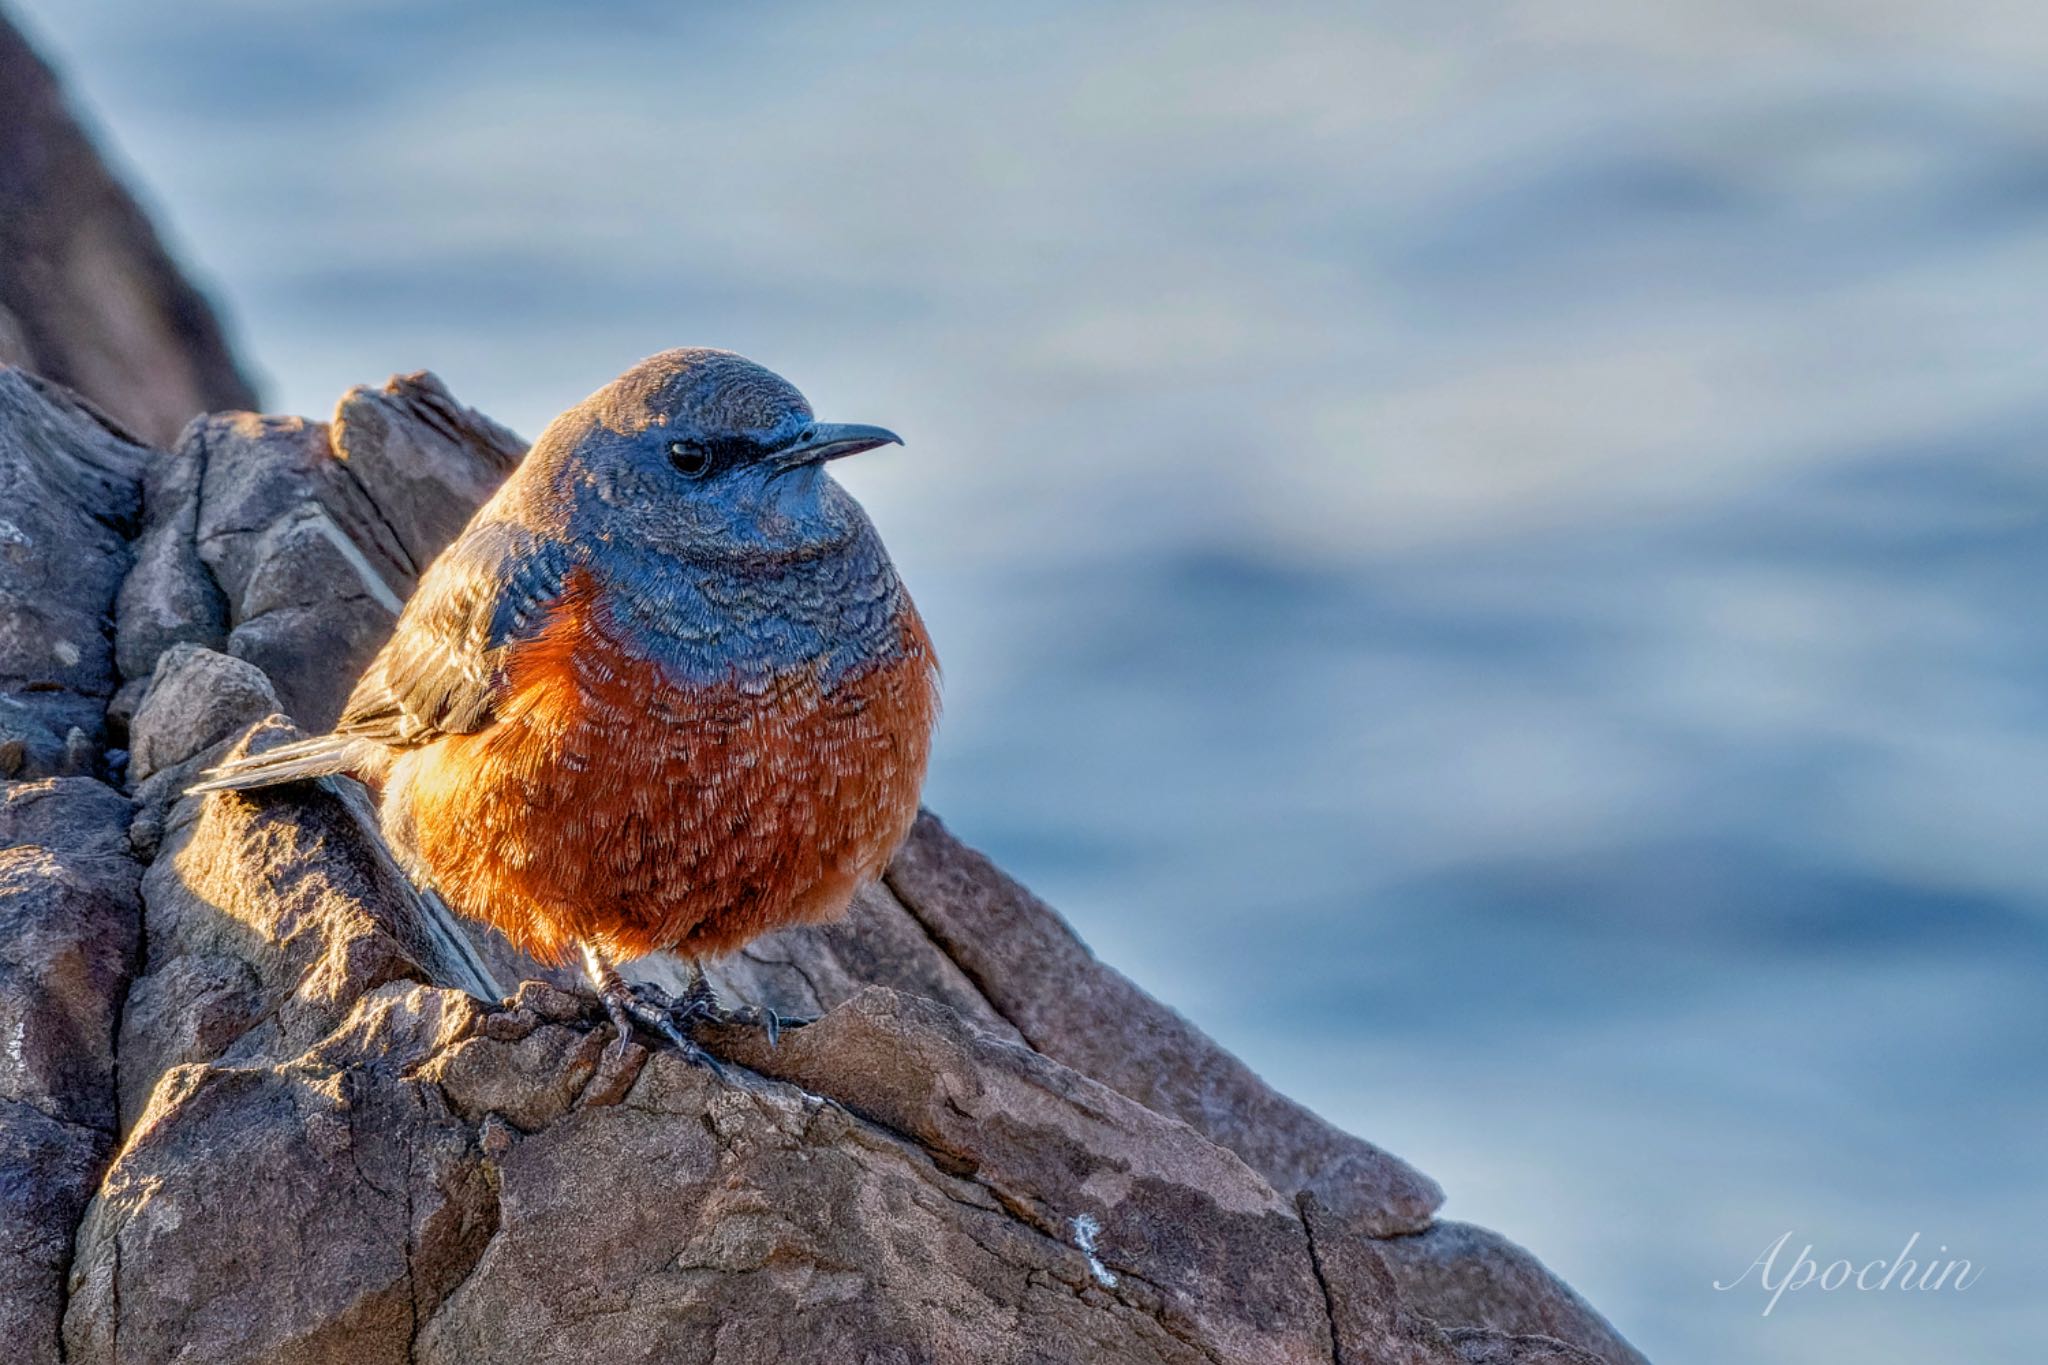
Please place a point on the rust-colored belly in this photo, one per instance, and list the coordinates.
(610, 805)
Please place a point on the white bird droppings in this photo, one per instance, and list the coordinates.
(1086, 1230)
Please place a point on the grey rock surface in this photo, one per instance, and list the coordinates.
(313, 533)
(1455, 1272)
(169, 597)
(70, 494)
(69, 922)
(1010, 943)
(425, 460)
(196, 700)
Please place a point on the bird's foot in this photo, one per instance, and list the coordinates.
(651, 1008)
(700, 1003)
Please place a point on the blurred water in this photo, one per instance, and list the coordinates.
(1489, 553)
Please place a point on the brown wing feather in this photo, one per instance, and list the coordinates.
(441, 673)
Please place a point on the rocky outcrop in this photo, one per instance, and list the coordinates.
(312, 534)
(263, 1109)
(87, 294)
(69, 497)
(70, 492)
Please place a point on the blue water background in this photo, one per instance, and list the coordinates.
(1492, 554)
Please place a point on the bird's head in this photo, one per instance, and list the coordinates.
(703, 454)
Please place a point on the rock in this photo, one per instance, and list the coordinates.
(1144, 1198)
(311, 534)
(743, 1216)
(1370, 1320)
(425, 461)
(192, 1008)
(1457, 1273)
(78, 816)
(47, 1173)
(68, 927)
(313, 685)
(878, 943)
(66, 940)
(312, 578)
(70, 490)
(122, 706)
(1476, 1346)
(278, 913)
(168, 597)
(356, 1203)
(87, 294)
(1010, 944)
(197, 700)
(771, 1224)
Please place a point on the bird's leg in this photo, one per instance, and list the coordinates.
(699, 1001)
(644, 1005)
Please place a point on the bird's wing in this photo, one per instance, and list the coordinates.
(442, 672)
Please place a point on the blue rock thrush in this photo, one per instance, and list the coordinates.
(664, 693)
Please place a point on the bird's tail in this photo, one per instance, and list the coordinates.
(295, 762)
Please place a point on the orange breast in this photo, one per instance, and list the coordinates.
(611, 805)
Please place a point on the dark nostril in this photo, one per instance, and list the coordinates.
(809, 432)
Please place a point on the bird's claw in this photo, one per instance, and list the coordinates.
(651, 1009)
(700, 1004)
(645, 1005)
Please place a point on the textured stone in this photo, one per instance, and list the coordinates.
(68, 929)
(354, 1202)
(312, 577)
(87, 294)
(84, 820)
(1465, 1276)
(70, 490)
(426, 461)
(68, 926)
(47, 1171)
(66, 943)
(314, 685)
(878, 943)
(1480, 1347)
(757, 1221)
(192, 1009)
(299, 891)
(168, 597)
(1371, 1322)
(1040, 977)
(197, 700)
(314, 533)
(1161, 1206)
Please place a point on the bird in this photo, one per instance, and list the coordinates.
(664, 693)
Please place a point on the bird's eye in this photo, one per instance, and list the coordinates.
(690, 459)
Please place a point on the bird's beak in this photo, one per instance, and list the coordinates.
(822, 441)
